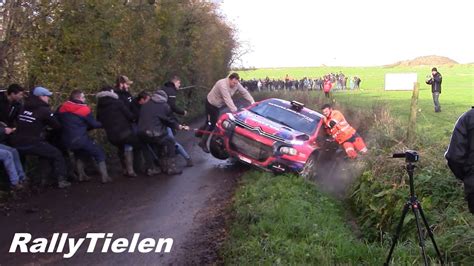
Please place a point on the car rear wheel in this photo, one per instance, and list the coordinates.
(217, 147)
(310, 169)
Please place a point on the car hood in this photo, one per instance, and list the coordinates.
(265, 125)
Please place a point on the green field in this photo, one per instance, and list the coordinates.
(281, 221)
(457, 92)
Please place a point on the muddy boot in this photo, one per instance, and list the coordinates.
(171, 167)
(189, 162)
(104, 176)
(129, 164)
(81, 174)
(63, 183)
(153, 171)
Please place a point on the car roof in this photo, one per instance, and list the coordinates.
(288, 104)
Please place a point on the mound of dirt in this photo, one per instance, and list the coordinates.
(429, 60)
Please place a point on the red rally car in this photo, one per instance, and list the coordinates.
(274, 135)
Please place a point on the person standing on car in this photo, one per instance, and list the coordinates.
(460, 154)
(28, 139)
(338, 128)
(435, 81)
(220, 96)
(171, 88)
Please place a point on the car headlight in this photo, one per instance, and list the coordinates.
(288, 150)
(226, 124)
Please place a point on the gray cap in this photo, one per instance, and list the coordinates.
(41, 91)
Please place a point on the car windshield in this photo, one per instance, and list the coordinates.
(276, 111)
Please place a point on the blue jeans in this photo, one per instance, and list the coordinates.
(179, 148)
(11, 160)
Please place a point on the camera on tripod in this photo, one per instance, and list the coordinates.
(412, 203)
(409, 155)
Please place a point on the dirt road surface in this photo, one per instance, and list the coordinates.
(190, 208)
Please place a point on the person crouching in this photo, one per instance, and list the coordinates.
(155, 118)
(76, 119)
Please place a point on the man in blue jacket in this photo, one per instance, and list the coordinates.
(76, 119)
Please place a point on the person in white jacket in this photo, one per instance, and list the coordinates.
(220, 96)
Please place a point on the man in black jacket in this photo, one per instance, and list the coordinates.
(10, 104)
(155, 118)
(76, 119)
(460, 154)
(29, 139)
(117, 120)
(171, 88)
(122, 89)
(435, 81)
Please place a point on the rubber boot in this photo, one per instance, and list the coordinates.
(153, 171)
(63, 183)
(129, 163)
(189, 162)
(104, 176)
(171, 167)
(81, 174)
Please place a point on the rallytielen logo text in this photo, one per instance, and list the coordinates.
(61, 243)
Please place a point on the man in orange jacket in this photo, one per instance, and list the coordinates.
(337, 126)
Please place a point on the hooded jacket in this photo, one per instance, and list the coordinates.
(460, 153)
(156, 116)
(76, 119)
(34, 117)
(115, 117)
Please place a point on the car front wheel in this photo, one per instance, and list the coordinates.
(217, 147)
(309, 171)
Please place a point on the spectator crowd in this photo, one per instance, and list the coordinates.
(141, 128)
(338, 81)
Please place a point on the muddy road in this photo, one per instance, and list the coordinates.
(190, 208)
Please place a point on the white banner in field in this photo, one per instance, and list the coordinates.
(400, 81)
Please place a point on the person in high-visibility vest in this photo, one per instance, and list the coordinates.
(340, 130)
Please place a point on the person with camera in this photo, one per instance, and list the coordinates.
(460, 154)
(435, 81)
(220, 96)
(339, 129)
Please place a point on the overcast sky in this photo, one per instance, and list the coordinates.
(349, 32)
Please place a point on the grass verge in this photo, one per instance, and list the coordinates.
(286, 220)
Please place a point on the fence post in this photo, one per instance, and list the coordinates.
(411, 132)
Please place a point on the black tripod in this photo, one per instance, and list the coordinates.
(415, 205)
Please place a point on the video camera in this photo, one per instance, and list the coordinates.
(409, 155)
